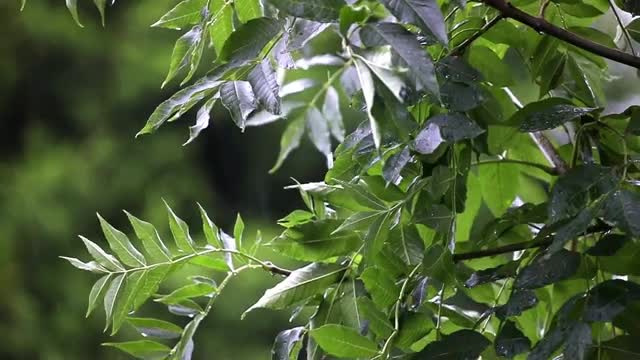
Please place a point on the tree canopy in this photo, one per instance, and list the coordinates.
(479, 199)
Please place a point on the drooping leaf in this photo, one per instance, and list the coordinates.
(155, 328)
(445, 128)
(547, 114)
(331, 112)
(578, 342)
(519, 301)
(316, 241)
(287, 344)
(323, 11)
(110, 297)
(609, 298)
(221, 24)
(499, 184)
(547, 269)
(239, 99)
(343, 341)
(72, 5)
(408, 48)
(290, 140)
(247, 42)
(425, 14)
(186, 53)
(622, 208)
(492, 274)
(97, 292)
(462, 344)
(202, 120)
(318, 130)
(142, 349)
(438, 264)
(510, 341)
(395, 164)
(302, 32)
(188, 292)
(92, 266)
(300, 285)
(368, 91)
(265, 86)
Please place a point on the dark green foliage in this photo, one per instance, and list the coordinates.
(453, 218)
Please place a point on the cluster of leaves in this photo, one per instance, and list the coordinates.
(485, 205)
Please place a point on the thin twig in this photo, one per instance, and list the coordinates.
(549, 170)
(550, 152)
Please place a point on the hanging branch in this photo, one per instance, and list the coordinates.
(541, 25)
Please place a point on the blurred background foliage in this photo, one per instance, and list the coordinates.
(71, 100)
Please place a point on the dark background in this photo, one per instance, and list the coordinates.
(71, 101)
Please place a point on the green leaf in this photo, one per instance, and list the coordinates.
(462, 344)
(331, 112)
(188, 292)
(580, 186)
(395, 164)
(110, 298)
(186, 53)
(238, 230)
(510, 341)
(499, 184)
(184, 348)
(316, 240)
(519, 301)
(302, 32)
(125, 298)
(438, 264)
(228, 243)
(221, 24)
(246, 43)
(377, 234)
(492, 274)
(378, 322)
(97, 292)
(624, 261)
(547, 269)
(179, 103)
(343, 341)
(209, 229)
(547, 114)
(323, 11)
(92, 266)
(185, 13)
(290, 140)
(120, 244)
(414, 327)
(155, 328)
(106, 260)
(318, 131)
(622, 208)
(265, 85)
(72, 5)
(578, 342)
(202, 120)
(180, 231)
(300, 285)
(150, 238)
(100, 5)
(408, 48)
(142, 349)
(368, 91)
(238, 98)
(490, 65)
(425, 14)
(608, 299)
(619, 348)
(445, 128)
(248, 9)
(288, 343)
(381, 287)
(634, 29)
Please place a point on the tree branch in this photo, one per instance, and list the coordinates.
(550, 153)
(503, 249)
(541, 25)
